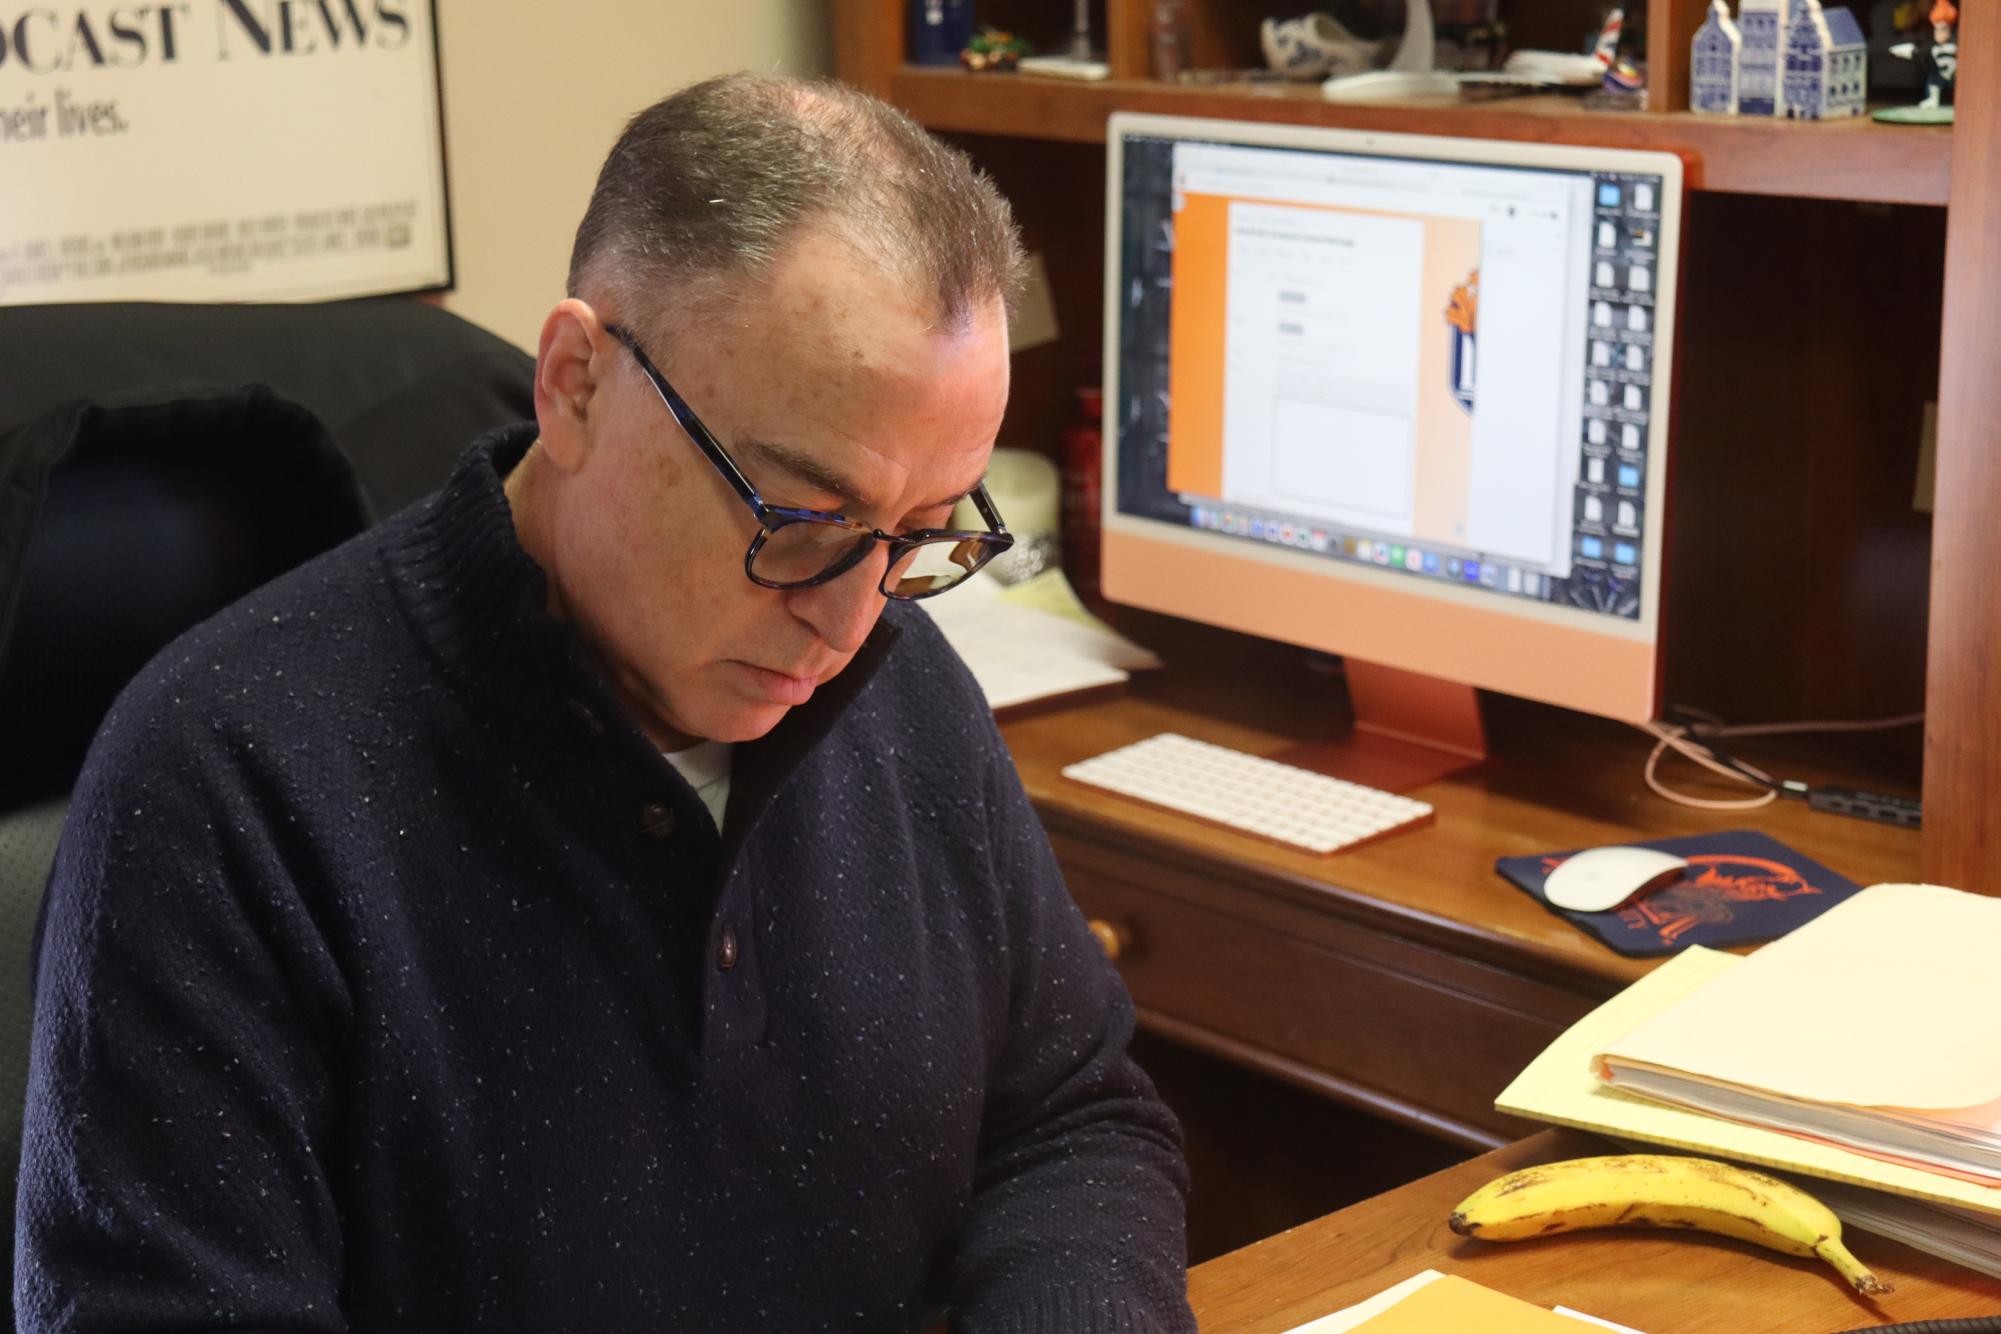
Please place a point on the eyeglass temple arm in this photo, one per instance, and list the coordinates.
(985, 506)
(690, 423)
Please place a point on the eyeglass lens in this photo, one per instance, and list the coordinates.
(801, 552)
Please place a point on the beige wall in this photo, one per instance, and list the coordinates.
(534, 95)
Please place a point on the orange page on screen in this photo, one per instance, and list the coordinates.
(1301, 327)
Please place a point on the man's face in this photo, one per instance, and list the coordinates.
(831, 393)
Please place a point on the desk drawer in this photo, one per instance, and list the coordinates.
(1400, 1028)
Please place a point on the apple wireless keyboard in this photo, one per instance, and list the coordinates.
(1264, 798)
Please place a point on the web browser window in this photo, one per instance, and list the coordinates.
(1439, 367)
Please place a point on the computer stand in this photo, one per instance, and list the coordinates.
(1410, 729)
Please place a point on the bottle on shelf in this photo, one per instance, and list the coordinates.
(1083, 471)
(939, 30)
(1168, 52)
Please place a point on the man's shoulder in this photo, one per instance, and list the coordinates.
(324, 636)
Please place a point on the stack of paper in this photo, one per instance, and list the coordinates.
(1033, 640)
(1909, 1020)
(1877, 1026)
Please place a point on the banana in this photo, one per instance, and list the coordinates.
(1660, 1190)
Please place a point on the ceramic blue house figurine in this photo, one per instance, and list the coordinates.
(1826, 63)
(1760, 59)
(1712, 76)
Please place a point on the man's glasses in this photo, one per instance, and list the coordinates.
(797, 548)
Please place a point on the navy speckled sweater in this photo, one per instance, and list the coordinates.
(391, 981)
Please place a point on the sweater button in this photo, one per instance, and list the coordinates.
(656, 820)
(726, 952)
(585, 718)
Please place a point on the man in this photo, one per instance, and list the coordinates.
(405, 965)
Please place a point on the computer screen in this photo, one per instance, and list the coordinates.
(1395, 397)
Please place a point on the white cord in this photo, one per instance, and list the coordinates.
(1676, 736)
(1665, 737)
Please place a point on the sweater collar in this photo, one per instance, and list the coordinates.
(481, 603)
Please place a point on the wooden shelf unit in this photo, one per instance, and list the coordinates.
(1853, 160)
(1820, 312)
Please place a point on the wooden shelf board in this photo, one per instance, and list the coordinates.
(1852, 159)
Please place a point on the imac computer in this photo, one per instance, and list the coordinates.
(1398, 398)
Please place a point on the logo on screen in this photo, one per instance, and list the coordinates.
(1462, 318)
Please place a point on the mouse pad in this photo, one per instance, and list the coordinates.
(1740, 886)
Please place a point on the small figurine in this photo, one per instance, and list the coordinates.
(1826, 64)
(993, 49)
(1940, 58)
(1712, 73)
(1760, 60)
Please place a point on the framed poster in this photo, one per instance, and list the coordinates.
(220, 150)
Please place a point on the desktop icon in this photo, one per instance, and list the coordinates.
(1625, 553)
(1608, 195)
(1591, 548)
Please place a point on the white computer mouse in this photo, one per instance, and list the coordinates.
(1600, 879)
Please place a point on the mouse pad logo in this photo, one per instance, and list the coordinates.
(1740, 886)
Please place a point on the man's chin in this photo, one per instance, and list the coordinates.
(735, 722)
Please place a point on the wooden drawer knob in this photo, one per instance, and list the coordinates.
(1112, 939)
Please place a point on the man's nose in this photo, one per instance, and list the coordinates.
(843, 610)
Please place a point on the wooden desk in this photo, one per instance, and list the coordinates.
(1405, 977)
(1655, 1282)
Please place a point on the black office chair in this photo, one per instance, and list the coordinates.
(156, 464)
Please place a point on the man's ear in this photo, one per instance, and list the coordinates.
(569, 365)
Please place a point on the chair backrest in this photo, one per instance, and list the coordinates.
(153, 516)
(402, 386)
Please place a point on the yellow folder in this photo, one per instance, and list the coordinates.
(1561, 1086)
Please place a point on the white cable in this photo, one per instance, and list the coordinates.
(1666, 738)
(1677, 737)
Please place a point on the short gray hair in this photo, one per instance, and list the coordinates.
(705, 190)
